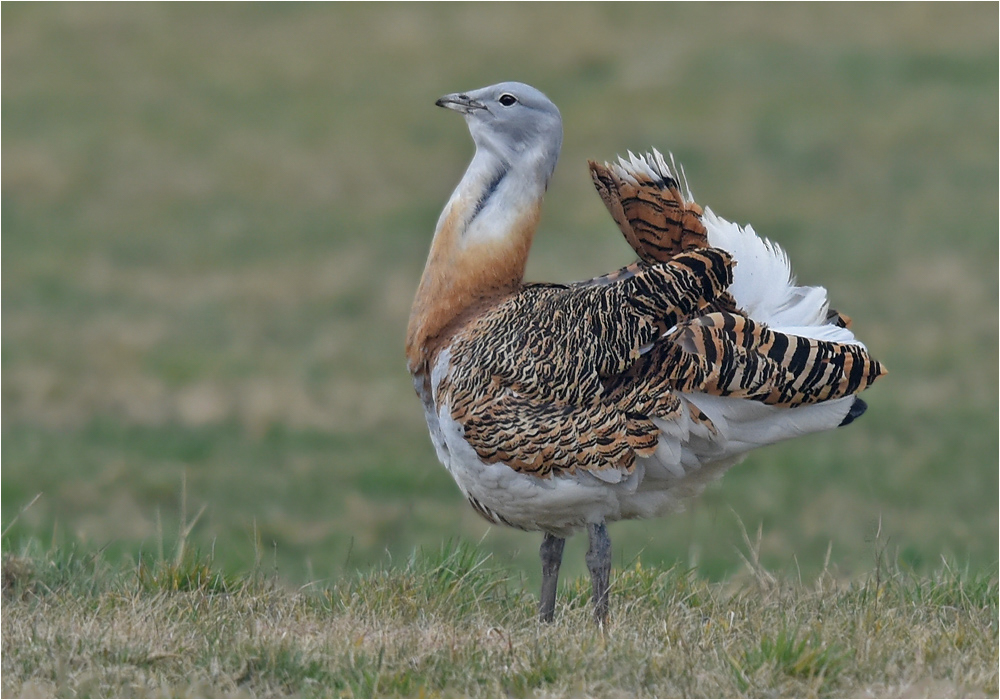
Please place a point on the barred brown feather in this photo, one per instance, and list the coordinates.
(654, 215)
(535, 396)
(651, 211)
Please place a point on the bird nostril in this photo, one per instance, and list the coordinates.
(463, 96)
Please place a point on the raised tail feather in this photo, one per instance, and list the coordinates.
(645, 199)
(653, 206)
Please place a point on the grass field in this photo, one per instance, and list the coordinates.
(214, 218)
(449, 623)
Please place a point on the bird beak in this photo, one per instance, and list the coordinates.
(460, 102)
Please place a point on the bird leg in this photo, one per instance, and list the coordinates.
(599, 563)
(551, 552)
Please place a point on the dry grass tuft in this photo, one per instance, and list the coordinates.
(17, 575)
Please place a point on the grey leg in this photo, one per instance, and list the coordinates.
(551, 552)
(599, 563)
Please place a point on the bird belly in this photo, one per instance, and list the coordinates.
(559, 505)
(564, 503)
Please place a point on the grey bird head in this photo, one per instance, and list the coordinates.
(513, 121)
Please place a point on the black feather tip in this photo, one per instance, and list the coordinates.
(856, 411)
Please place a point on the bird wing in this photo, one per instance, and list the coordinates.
(557, 379)
(730, 355)
(528, 380)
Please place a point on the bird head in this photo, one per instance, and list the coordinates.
(514, 122)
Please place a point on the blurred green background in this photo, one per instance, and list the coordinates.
(215, 216)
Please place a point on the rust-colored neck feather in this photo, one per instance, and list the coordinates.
(472, 263)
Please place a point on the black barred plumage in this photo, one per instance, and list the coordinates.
(746, 359)
(536, 393)
(650, 208)
(562, 406)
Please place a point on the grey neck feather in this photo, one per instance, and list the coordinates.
(501, 187)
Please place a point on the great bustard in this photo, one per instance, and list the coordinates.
(560, 407)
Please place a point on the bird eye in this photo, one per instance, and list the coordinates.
(507, 99)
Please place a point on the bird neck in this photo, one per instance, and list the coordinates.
(480, 247)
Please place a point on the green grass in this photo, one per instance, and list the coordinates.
(214, 219)
(450, 622)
